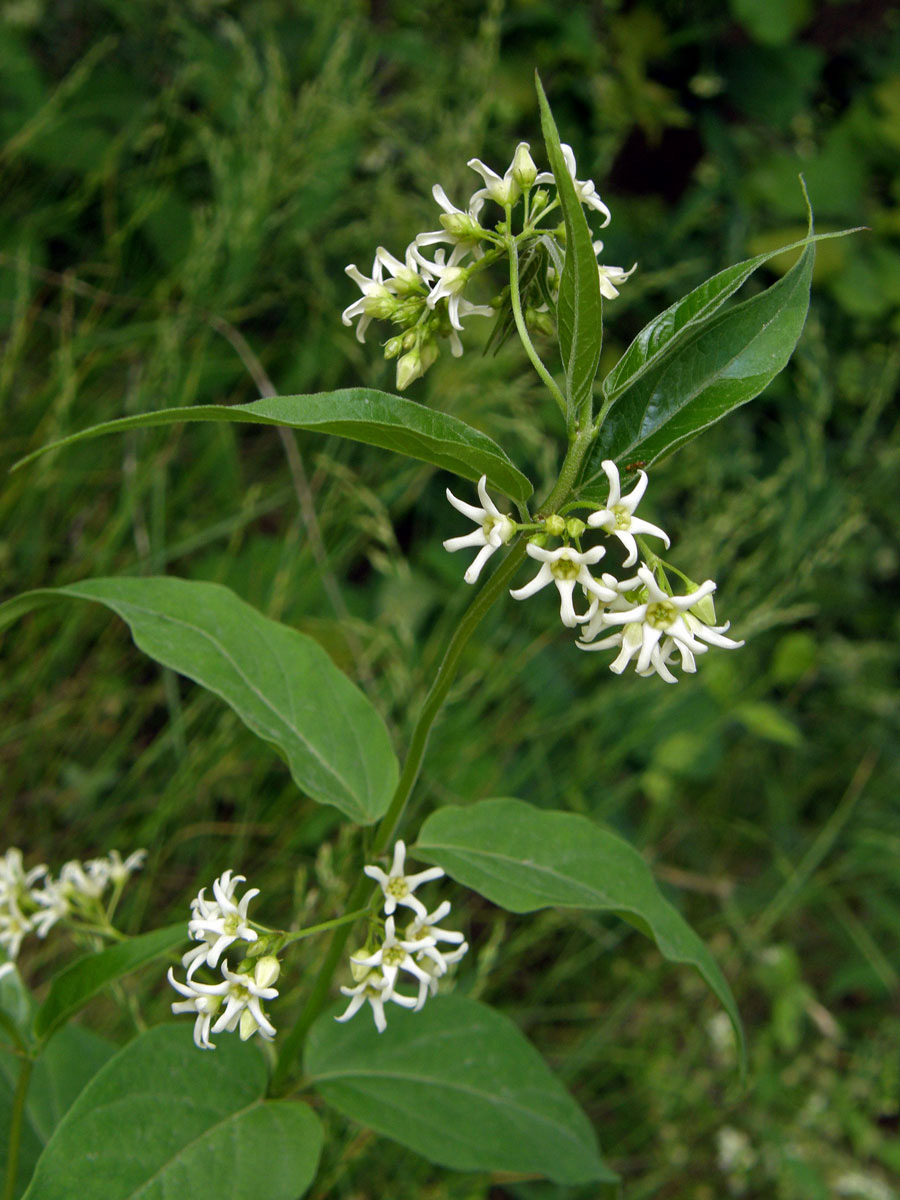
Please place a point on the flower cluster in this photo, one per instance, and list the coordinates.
(235, 1001)
(423, 297)
(33, 901)
(375, 968)
(639, 616)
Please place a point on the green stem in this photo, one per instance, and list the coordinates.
(15, 1128)
(519, 317)
(443, 681)
(346, 919)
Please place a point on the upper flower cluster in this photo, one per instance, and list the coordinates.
(424, 296)
(375, 968)
(33, 901)
(235, 1001)
(639, 615)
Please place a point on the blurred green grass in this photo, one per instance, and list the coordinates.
(176, 175)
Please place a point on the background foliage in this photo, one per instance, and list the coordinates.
(183, 186)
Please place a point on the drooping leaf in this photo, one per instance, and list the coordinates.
(281, 683)
(81, 980)
(672, 326)
(460, 1085)
(69, 1060)
(164, 1119)
(525, 858)
(579, 312)
(361, 414)
(724, 362)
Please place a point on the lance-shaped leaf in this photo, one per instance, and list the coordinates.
(525, 858)
(81, 980)
(281, 683)
(460, 1085)
(672, 326)
(579, 313)
(723, 363)
(164, 1119)
(361, 414)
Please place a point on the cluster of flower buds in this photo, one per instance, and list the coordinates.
(424, 297)
(235, 1001)
(639, 616)
(375, 967)
(33, 901)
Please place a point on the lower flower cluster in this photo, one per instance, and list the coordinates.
(376, 966)
(640, 616)
(235, 1000)
(34, 901)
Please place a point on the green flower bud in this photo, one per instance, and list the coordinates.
(541, 322)
(462, 226)
(539, 539)
(575, 527)
(539, 201)
(524, 172)
(555, 525)
(392, 347)
(705, 607)
(267, 971)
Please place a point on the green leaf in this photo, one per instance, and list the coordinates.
(79, 982)
(164, 1119)
(281, 683)
(361, 414)
(460, 1085)
(525, 858)
(579, 312)
(670, 328)
(68, 1062)
(724, 362)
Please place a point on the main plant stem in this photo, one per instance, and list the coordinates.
(15, 1128)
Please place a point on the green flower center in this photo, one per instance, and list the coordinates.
(622, 516)
(231, 924)
(661, 614)
(393, 956)
(564, 568)
(398, 888)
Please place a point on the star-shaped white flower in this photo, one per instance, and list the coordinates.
(379, 297)
(375, 989)
(14, 925)
(424, 933)
(663, 616)
(394, 955)
(585, 189)
(565, 567)
(398, 887)
(242, 994)
(618, 518)
(219, 922)
(611, 277)
(494, 529)
(502, 190)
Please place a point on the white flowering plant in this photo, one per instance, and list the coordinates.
(407, 1050)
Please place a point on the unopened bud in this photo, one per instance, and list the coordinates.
(555, 525)
(705, 607)
(267, 971)
(539, 201)
(392, 347)
(575, 527)
(540, 322)
(380, 304)
(539, 539)
(462, 226)
(409, 368)
(524, 172)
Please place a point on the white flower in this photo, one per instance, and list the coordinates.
(14, 879)
(502, 191)
(618, 517)
(611, 277)
(585, 190)
(664, 616)
(53, 904)
(452, 279)
(242, 994)
(14, 925)
(219, 922)
(375, 989)
(565, 567)
(424, 933)
(379, 298)
(120, 871)
(393, 955)
(494, 529)
(397, 887)
(86, 881)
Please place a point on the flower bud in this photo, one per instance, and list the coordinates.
(380, 304)
(267, 971)
(555, 525)
(524, 172)
(539, 539)
(539, 201)
(462, 226)
(392, 347)
(409, 368)
(575, 527)
(705, 607)
(541, 322)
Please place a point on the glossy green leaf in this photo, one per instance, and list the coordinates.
(579, 313)
(281, 683)
(678, 321)
(81, 980)
(361, 414)
(525, 858)
(69, 1060)
(459, 1084)
(164, 1119)
(724, 362)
